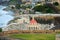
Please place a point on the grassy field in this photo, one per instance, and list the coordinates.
(34, 36)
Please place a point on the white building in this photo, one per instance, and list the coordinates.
(31, 25)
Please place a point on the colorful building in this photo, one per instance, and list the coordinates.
(33, 25)
(26, 24)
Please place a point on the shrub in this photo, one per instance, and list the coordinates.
(56, 3)
(39, 8)
(0, 29)
(18, 6)
(44, 9)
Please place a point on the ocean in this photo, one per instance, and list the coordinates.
(5, 16)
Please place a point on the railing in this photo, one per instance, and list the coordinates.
(55, 15)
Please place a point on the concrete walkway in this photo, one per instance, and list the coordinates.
(6, 38)
(58, 37)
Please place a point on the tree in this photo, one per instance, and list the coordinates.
(12, 7)
(18, 6)
(23, 7)
(39, 8)
(49, 10)
(28, 6)
(43, 8)
(56, 3)
(0, 29)
(13, 2)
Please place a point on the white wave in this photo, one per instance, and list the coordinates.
(5, 16)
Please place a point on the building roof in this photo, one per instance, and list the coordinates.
(33, 21)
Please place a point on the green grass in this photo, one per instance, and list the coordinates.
(34, 36)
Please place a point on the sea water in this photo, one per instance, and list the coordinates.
(5, 16)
